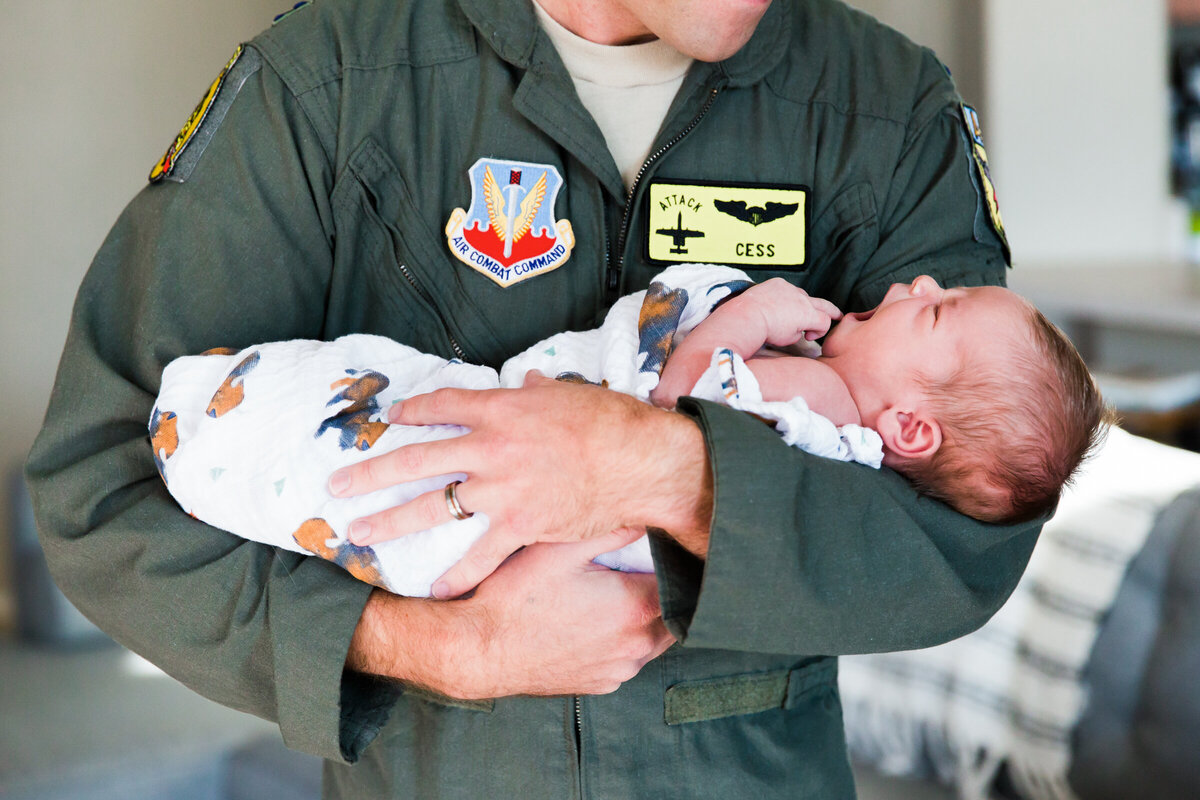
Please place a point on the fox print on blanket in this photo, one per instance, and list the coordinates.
(164, 438)
(315, 535)
(229, 395)
(356, 429)
(657, 322)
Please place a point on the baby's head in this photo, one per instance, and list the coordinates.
(981, 402)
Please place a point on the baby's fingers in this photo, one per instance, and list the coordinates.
(825, 307)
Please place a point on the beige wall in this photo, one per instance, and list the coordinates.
(1077, 129)
(93, 93)
(1073, 98)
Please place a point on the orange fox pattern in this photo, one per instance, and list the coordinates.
(229, 395)
(353, 423)
(657, 322)
(164, 438)
(659, 318)
(314, 535)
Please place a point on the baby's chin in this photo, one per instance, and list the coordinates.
(829, 343)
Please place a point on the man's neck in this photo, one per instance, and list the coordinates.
(602, 22)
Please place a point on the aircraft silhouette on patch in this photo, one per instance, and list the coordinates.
(679, 235)
(755, 215)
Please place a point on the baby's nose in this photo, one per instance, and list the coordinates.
(923, 284)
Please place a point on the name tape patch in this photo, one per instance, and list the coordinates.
(753, 225)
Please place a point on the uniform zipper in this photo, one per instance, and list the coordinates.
(373, 204)
(577, 712)
(579, 728)
(613, 281)
(412, 281)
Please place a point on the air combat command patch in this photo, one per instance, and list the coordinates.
(509, 233)
(753, 225)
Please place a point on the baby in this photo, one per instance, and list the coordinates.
(980, 401)
(971, 393)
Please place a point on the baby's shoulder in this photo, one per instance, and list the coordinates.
(783, 377)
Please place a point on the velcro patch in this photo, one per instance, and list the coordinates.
(209, 112)
(984, 176)
(750, 225)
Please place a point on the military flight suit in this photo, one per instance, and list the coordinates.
(310, 201)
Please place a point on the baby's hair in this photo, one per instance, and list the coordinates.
(1015, 431)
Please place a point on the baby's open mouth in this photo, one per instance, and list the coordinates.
(862, 316)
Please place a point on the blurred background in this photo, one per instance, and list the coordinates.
(1090, 113)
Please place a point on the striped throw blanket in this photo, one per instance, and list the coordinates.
(1011, 693)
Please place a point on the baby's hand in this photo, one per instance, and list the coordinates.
(787, 312)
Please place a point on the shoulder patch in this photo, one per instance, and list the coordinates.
(983, 176)
(181, 157)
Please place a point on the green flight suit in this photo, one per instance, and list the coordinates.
(311, 203)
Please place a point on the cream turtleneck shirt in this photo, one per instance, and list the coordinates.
(626, 88)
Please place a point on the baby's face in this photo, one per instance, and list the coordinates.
(922, 329)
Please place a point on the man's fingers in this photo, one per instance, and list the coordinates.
(481, 560)
(441, 407)
(598, 545)
(533, 378)
(409, 463)
(421, 513)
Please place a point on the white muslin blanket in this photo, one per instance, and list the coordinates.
(246, 440)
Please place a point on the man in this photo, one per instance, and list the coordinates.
(426, 170)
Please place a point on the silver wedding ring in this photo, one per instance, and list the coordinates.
(455, 507)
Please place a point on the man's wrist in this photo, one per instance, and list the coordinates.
(416, 641)
(679, 498)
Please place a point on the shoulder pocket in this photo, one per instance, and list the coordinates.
(714, 698)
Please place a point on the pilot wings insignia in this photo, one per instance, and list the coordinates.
(755, 215)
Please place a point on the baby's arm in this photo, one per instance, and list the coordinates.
(784, 377)
(774, 313)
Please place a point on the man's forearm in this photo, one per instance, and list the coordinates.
(406, 639)
(680, 501)
(548, 622)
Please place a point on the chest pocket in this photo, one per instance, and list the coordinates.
(394, 274)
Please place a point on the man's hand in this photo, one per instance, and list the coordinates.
(547, 622)
(550, 462)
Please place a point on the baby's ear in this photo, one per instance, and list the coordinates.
(911, 435)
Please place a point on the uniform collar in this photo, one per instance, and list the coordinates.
(511, 29)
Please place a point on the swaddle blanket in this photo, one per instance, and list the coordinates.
(246, 441)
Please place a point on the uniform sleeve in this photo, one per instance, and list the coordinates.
(238, 253)
(810, 555)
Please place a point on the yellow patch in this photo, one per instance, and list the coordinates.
(983, 171)
(166, 164)
(727, 223)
